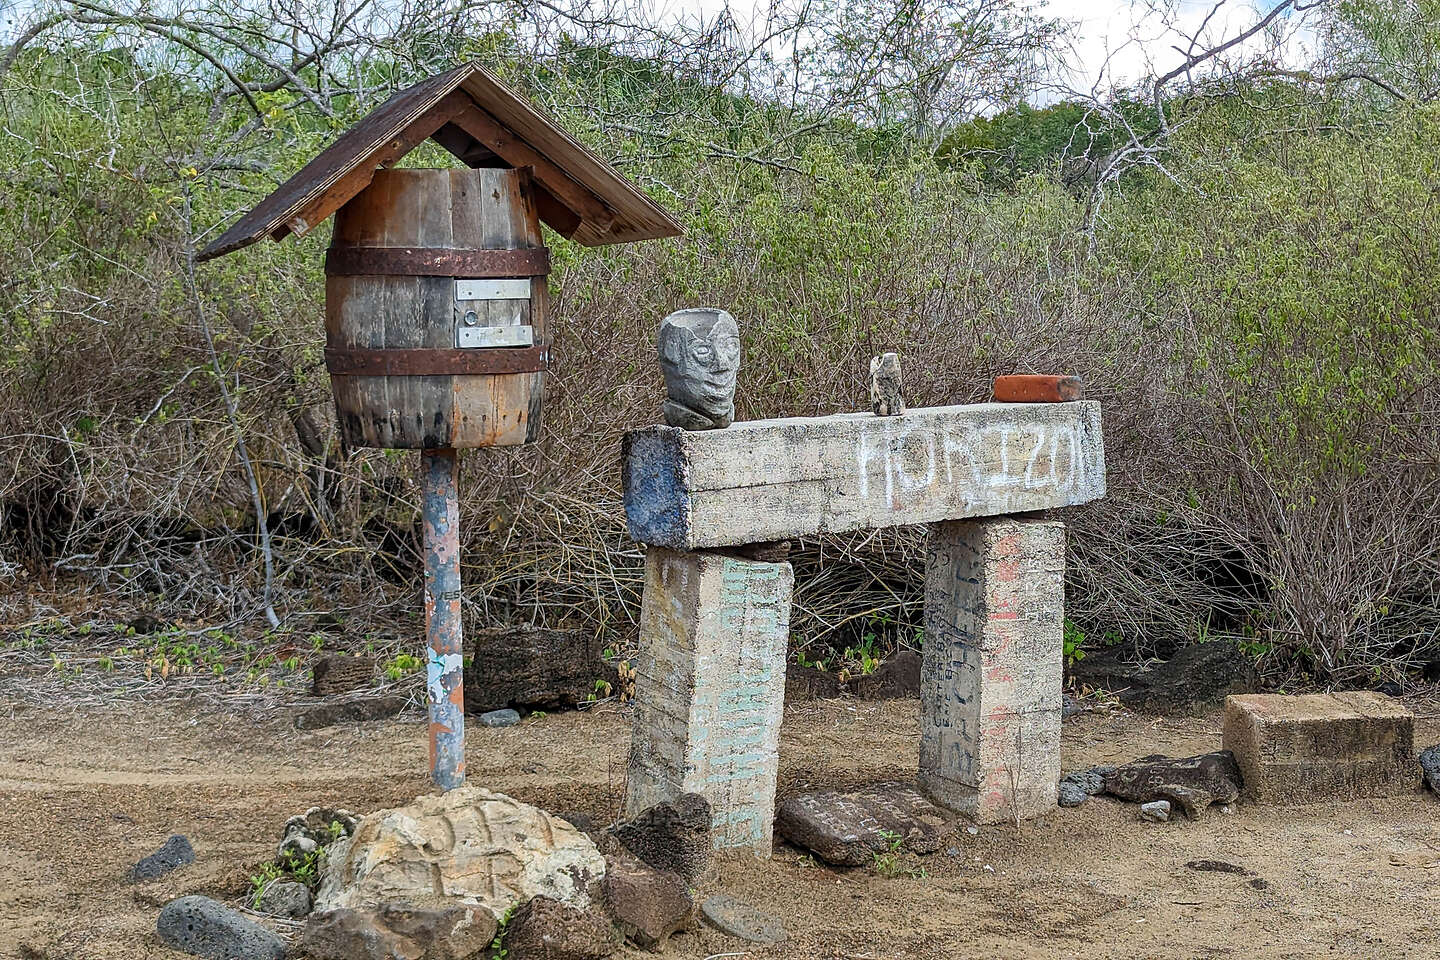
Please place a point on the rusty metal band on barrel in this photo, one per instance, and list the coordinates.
(342, 362)
(432, 262)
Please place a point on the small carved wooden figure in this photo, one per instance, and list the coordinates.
(886, 399)
(700, 357)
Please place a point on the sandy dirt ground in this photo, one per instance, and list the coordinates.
(84, 794)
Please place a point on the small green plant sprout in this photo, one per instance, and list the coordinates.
(497, 946)
(537, 715)
(317, 641)
(300, 868)
(887, 864)
(402, 664)
(1074, 639)
(602, 689)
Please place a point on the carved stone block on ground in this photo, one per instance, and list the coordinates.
(531, 667)
(465, 847)
(991, 676)
(711, 690)
(1323, 746)
(849, 828)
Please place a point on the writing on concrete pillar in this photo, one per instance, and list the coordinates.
(710, 689)
(991, 671)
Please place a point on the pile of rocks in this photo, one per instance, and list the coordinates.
(451, 876)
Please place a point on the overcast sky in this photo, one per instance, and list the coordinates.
(1113, 42)
(1132, 38)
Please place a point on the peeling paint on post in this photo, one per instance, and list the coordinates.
(440, 509)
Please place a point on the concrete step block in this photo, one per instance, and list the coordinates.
(1322, 746)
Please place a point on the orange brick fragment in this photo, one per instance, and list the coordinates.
(1038, 388)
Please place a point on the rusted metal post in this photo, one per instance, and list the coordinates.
(440, 509)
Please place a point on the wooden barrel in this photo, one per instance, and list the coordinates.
(435, 298)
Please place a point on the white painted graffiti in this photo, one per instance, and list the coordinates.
(996, 457)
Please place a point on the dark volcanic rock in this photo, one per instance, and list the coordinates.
(1202, 673)
(649, 905)
(395, 930)
(500, 718)
(580, 821)
(738, 919)
(285, 898)
(1215, 776)
(546, 929)
(531, 667)
(1091, 781)
(334, 673)
(350, 711)
(173, 853)
(808, 683)
(205, 928)
(307, 832)
(671, 836)
(895, 679)
(1108, 669)
(1190, 800)
(1430, 766)
(848, 829)
(1071, 794)
(1216, 866)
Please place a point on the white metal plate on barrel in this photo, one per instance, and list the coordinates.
(513, 336)
(492, 289)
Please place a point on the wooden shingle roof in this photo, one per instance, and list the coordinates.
(485, 124)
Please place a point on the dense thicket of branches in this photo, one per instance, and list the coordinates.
(1237, 255)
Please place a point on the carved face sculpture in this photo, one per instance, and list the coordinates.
(700, 357)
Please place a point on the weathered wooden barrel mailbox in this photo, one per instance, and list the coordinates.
(435, 300)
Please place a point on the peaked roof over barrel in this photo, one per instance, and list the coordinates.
(485, 124)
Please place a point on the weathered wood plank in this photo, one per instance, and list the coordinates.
(587, 199)
(775, 479)
(479, 124)
(441, 210)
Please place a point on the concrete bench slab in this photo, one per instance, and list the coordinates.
(1323, 746)
(763, 480)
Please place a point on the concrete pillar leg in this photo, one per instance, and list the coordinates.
(710, 689)
(990, 682)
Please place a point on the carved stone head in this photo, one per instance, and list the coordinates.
(700, 357)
